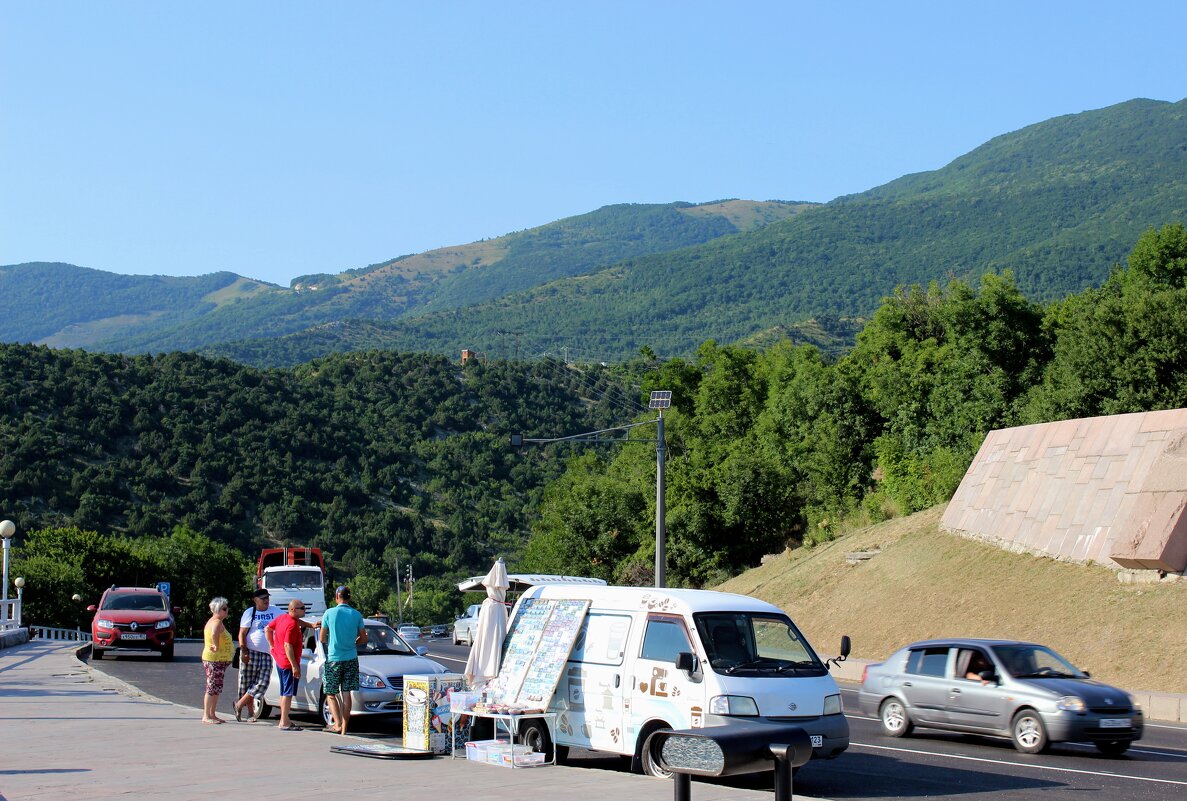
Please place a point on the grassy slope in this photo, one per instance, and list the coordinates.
(928, 583)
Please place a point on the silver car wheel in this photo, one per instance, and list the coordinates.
(895, 720)
(1029, 733)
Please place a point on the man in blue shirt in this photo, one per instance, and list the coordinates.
(342, 631)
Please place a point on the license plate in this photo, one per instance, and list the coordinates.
(130, 636)
(817, 740)
(1116, 723)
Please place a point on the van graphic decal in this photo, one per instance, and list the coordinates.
(653, 603)
(698, 717)
(658, 686)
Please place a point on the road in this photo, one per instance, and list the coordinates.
(932, 765)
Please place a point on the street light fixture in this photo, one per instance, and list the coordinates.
(660, 400)
(20, 591)
(7, 529)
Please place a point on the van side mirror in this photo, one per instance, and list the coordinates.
(686, 661)
(846, 646)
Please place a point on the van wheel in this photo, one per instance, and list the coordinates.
(643, 763)
(895, 720)
(534, 734)
(1028, 732)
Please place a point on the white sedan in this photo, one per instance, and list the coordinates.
(383, 662)
(410, 632)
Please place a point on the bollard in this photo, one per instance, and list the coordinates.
(743, 747)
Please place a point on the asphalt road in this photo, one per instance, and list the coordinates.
(932, 765)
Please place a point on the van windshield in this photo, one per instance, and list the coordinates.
(753, 643)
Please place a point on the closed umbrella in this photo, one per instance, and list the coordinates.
(486, 653)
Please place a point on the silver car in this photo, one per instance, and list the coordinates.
(383, 662)
(1020, 690)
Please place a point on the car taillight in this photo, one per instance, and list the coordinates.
(864, 672)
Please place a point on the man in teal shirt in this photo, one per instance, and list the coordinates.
(342, 631)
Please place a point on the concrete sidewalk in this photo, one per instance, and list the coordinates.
(69, 732)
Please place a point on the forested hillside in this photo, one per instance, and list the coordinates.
(1058, 203)
(373, 457)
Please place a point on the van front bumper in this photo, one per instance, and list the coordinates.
(833, 730)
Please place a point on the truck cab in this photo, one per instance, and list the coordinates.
(288, 573)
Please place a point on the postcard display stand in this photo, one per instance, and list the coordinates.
(538, 645)
(428, 721)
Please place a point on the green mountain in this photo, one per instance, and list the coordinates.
(66, 306)
(53, 303)
(1059, 203)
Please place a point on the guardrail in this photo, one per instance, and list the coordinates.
(64, 635)
(10, 614)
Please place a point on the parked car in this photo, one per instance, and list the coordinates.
(440, 630)
(410, 632)
(132, 618)
(1020, 690)
(383, 662)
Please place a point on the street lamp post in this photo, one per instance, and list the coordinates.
(660, 400)
(20, 592)
(7, 529)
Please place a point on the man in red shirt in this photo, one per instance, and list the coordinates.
(284, 638)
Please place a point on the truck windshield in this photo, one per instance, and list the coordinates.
(293, 579)
(752, 643)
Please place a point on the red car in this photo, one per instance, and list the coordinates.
(135, 618)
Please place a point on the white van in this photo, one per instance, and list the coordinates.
(648, 659)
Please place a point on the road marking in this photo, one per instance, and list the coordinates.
(448, 658)
(1021, 764)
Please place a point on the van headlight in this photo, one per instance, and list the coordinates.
(832, 704)
(369, 682)
(1071, 703)
(732, 705)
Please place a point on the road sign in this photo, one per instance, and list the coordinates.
(164, 587)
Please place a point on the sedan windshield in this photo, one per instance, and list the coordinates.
(383, 640)
(755, 643)
(1035, 662)
(136, 602)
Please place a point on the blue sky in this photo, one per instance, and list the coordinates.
(279, 139)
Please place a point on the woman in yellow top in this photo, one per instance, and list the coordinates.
(215, 657)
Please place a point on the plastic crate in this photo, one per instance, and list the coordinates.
(461, 702)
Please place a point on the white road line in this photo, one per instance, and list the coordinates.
(1021, 764)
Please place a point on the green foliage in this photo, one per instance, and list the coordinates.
(373, 457)
(58, 563)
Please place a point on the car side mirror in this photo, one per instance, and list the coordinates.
(846, 646)
(92, 608)
(990, 675)
(421, 650)
(686, 661)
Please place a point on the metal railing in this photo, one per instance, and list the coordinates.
(10, 614)
(65, 635)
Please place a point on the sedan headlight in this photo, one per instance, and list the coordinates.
(832, 704)
(164, 624)
(732, 705)
(369, 682)
(104, 624)
(1071, 703)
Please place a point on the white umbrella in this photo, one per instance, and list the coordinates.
(486, 652)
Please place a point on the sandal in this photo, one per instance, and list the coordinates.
(238, 713)
(289, 727)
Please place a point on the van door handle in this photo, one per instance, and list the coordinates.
(906, 684)
(617, 681)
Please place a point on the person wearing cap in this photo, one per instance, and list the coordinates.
(342, 631)
(255, 666)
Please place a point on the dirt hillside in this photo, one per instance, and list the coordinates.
(928, 583)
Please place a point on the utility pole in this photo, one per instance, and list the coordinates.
(399, 595)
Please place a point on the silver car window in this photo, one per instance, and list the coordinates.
(928, 661)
